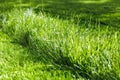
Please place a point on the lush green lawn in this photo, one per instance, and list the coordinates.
(59, 40)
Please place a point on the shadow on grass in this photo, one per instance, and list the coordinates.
(106, 13)
(41, 51)
(45, 52)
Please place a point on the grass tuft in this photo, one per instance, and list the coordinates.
(90, 51)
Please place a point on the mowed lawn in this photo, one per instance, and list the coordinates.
(59, 40)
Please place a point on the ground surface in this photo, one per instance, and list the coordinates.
(59, 40)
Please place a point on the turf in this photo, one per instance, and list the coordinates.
(58, 42)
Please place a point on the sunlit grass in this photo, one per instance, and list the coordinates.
(91, 1)
(36, 45)
(16, 63)
(90, 51)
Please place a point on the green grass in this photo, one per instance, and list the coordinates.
(38, 44)
(17, 63)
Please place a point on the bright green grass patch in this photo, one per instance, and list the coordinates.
(93, 1)
(16, 63)
(90, 51)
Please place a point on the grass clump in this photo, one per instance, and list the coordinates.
(90, 51)
(17, 63)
